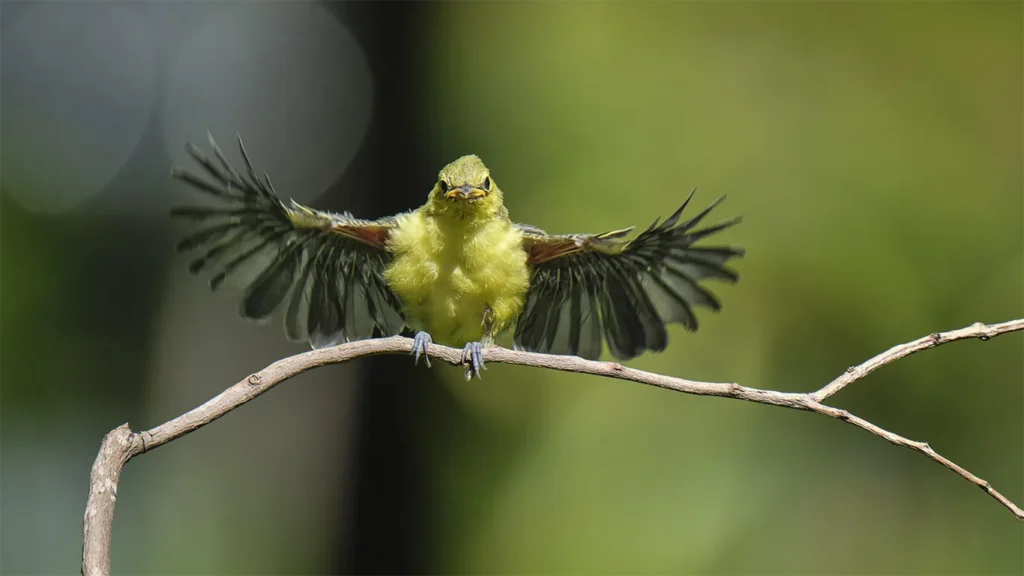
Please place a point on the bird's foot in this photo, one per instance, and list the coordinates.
(473, 358)
(420, 342)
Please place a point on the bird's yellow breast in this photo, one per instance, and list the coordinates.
(449, 271)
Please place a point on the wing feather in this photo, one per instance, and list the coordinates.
(325, 270)
(592, 288)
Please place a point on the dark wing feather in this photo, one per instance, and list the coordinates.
(326, 270)
(588, 286)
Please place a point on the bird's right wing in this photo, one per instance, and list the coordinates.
(327, 268)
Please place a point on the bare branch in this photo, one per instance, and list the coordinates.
(921, 447)
(99, 511)
(854, 373)
(121, 444)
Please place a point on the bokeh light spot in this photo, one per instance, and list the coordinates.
(77, 86)
(287, 76)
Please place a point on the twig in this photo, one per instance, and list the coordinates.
(121, 444)
(854, 373)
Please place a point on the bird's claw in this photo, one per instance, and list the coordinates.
(420, 342)
(473, 357)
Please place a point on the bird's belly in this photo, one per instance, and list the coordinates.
(456, 307)
(448, 294)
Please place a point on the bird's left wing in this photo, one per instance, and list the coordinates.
(327, 269)
(589, 287)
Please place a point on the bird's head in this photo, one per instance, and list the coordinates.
(465, 188)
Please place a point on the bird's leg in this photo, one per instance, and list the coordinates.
(420, 342)
(472, 354)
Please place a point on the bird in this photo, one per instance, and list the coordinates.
(456, 271)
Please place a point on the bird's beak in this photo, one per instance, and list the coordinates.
(465, 192)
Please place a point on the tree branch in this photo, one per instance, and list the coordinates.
(854, 373)
(121, 444)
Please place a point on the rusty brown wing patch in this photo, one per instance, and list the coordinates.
(375, 235)
(542, 248)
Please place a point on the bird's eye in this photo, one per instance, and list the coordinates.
(487, 183)
(444, 186)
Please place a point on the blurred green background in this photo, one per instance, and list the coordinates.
(874, 150)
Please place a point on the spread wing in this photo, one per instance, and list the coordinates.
(326, 270)
(588, 286)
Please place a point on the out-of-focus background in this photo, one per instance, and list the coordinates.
(874, 150)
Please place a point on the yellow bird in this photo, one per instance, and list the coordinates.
(456, 270)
